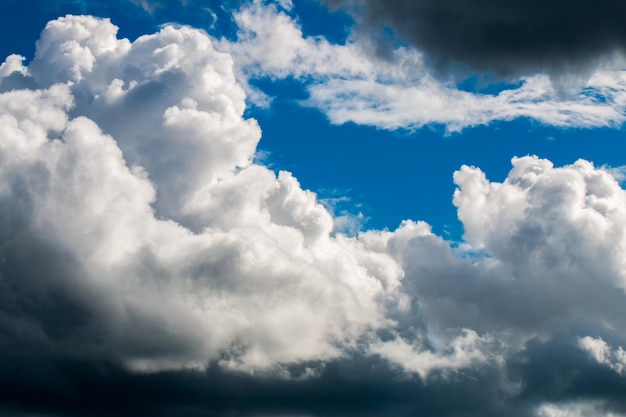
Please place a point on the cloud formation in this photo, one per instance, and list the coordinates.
(172, 194)
(509, 38)
(143, 251)
(350, 84)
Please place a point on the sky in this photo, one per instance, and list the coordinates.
(312, 208)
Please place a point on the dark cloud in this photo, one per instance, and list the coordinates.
(557, 371)
(355, 387)
(510, 37)
(35, 381)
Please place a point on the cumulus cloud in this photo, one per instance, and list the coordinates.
(195, 253)
(350, 84)
(527, 226)
(142, 248)
(509, 38)
(13, 63)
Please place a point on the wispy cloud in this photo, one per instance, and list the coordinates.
(349, 83)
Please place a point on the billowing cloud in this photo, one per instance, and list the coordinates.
(510, 38)
(149, 266)
(350, 84)
(195, 253)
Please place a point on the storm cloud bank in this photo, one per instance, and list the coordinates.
(509, 38)
(150, 267)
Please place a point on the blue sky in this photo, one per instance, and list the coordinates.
(312, 207)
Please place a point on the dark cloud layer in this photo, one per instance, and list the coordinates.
(359, 387)
(553, 371)
(509, 37)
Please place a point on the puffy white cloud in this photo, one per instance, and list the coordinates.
(541, 214)
(12, 64)
(544, 251)
(350, 84)
(134, 161)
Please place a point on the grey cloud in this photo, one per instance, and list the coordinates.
(508, 38)
(358, 387)
(558, 372)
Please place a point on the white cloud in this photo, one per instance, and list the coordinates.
(463, 351)
(576, 409)
(134, 160)
(599, 350)
(540, 214)
(13, 63)
(350, 84)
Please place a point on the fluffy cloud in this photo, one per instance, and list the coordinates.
(134, 162)
(544, 250)
(350, 84)
(142, 247)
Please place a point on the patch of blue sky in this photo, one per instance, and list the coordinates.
(283, 89)
(317, 20)
(22, 25)
(217, 15)
(487, 84)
